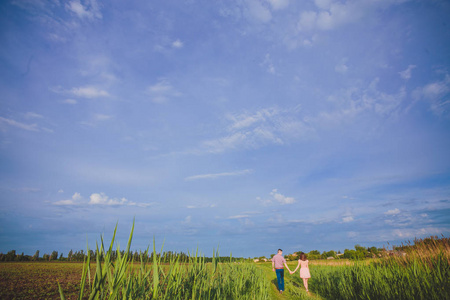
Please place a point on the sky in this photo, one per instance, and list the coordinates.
(247, 125)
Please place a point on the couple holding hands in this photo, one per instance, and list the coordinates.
(277, 265)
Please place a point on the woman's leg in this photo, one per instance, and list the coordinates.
(305, 283)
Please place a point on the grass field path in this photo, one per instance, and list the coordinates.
(293, 290)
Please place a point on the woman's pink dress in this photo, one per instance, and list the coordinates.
(304, 271)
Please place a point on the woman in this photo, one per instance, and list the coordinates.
(304, 270)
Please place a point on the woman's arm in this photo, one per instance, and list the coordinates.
(296, 268)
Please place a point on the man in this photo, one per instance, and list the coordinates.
(277, 266)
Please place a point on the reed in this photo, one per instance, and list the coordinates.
(125, 279)
(421, 271)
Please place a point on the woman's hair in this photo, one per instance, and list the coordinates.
(303, 256)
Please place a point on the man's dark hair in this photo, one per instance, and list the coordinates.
(280, 250)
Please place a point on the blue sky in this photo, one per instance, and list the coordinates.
(252, 125)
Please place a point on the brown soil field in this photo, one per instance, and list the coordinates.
(39, 280)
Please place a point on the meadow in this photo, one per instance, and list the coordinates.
(422, 271)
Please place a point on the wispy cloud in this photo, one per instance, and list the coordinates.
(177, 44)
(99, 199)
(347, 219)
(255, 130)
(332, 14)
(90, 10)
(217, 175)
(392, 212)
(238, 217)
(341, 67)
(257, 11)
(279, 4)
(268, 64)
(204, 205)
(102, 117)
(70, 101)
(438, 95)
(33, 115)
(75, 200)
(162, 91)
(406, 74)
(11, 122)
(89, 92)
(276, 197)
(102, 199)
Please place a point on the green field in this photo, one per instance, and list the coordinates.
(421, 272)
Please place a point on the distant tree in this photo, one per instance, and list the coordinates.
(353, 254)
(373, 251)
(22, 257)
(314, 254)
(46, 257)
(69, 256)
(61, 257)
(54, 255)
(36, 256)
(10, 256)
(272, 255)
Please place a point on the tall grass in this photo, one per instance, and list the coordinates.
(125, 279)
(422, 273)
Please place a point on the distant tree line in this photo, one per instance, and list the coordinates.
(358, 253)
(80, 256)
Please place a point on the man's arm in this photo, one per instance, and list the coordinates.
(273, 264)
(287, 267)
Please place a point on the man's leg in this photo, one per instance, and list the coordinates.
(278, 271)
(282, 280)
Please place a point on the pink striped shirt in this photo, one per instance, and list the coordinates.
(279, 261)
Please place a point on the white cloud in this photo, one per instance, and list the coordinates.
(307, 20)
(281, 198)
(102, 117)
(267, 63)
(246, 120)
(204, 205)
(392, 212)
(70, 101)
(10, 122)
(254, 130)
(352, 234)
(33, 115)
(90, 9)
(177, 44)
(438, 94)
(76, 198)
(60, 191)
(347, 219)
(406, 74)
(278, 4)
(89, 92)
(333, 14)
(407, 233)
(323, 4)
(341, 67)
(238, 217)
(355, 101)
(162, 91)
(258, 11)
(217, 175)
(102, 199)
